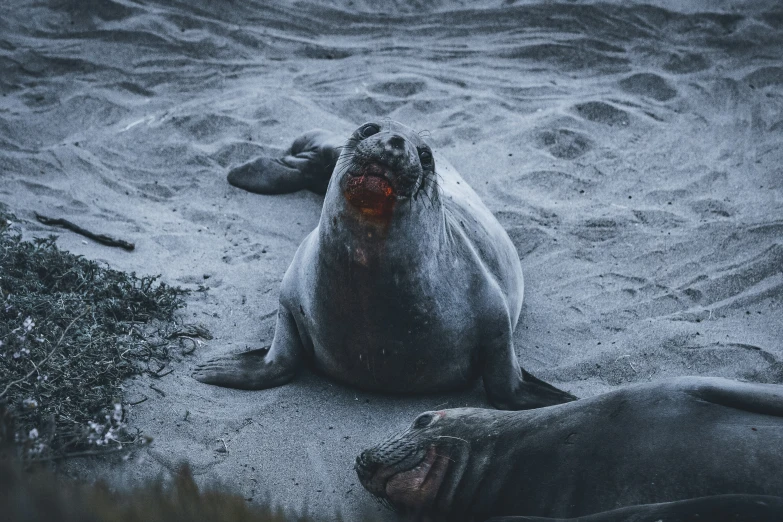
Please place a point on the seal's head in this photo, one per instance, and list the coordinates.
(381, 164)
(419, 470)
(409, 469)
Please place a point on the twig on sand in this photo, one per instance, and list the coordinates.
(190, 331)
(100, 238)
(158, 390)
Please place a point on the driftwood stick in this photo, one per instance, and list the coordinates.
(100, 238)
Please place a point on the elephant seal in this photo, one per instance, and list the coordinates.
(718, 508)
(408, 284)
(656, 442)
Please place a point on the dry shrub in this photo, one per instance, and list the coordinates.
(71, 331)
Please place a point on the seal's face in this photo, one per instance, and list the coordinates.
(382, 164)
(408, 470)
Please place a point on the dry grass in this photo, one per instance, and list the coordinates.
(71, 331)
(42, 497)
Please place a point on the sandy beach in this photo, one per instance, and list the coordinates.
(633, 152)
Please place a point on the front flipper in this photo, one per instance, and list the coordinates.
(508, 385)
(308, 164)
(260, 368)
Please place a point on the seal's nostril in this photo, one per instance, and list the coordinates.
(396, 142)
(365, 466)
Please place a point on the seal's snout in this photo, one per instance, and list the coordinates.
(383, 164)
(394, 151)
(394, 144)
(365, 466)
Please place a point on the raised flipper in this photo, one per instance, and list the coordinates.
(508, 385)
(308, 164)
(765, 399)
(260, 368)
(719, 508)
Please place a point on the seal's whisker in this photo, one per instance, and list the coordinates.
(429, 198)
(445, 457)
(384, 502)
(451, 437)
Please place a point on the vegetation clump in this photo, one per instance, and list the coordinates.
(43, 497)
(71, 330)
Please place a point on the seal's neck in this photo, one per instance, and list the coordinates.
(479, 462)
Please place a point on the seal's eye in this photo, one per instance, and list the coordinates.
(425, 157)
(368, 130)
(423, 420)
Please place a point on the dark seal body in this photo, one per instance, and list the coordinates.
(718, 508)
(651, 443)
(408, 284)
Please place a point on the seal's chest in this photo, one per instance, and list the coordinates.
(389, 337)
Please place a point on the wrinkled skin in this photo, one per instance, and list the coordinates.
(646, 444)
(407, 285)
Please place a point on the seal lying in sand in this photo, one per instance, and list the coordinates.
(656, 442)
(408, 284)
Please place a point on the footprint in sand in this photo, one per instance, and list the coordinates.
(155, 191)
(711, 208)
(208, 127)
(402, 88)
(599, 229)
(658, 218)
(527, 239)
(564, 143)
(741, 284)
(765, 77)
(650, 85)
(600, 112)
(683, 63)
(62, 197)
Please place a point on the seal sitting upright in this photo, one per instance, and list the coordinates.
(408, 284)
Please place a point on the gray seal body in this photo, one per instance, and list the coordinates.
(408, 284)
(651, 443)
(716, 508)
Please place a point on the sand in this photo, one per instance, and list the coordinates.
(634, 153)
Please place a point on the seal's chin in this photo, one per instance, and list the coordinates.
(417, 488)
(370, 191)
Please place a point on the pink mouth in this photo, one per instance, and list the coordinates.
(417, 488)
(371, 192)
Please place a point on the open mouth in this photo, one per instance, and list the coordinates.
(418, 487)
(372, 170)
(370, 190)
